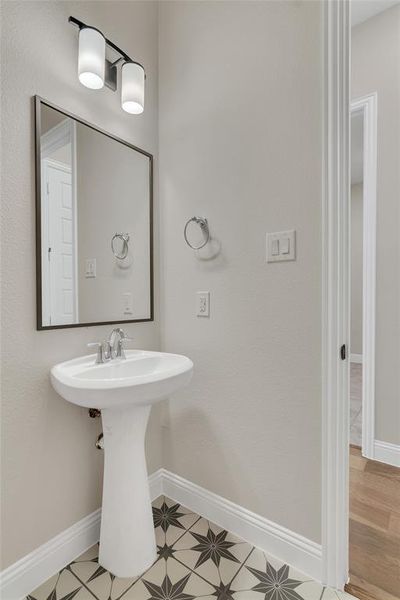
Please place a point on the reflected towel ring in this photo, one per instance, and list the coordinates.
(124, 237)
(203, 224)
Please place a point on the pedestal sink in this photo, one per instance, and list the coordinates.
(124, 389)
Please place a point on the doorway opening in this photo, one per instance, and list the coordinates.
(363, 272)
(374, 415)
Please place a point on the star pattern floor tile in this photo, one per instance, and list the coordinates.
(196, 560)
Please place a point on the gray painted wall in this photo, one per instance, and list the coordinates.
(51, 471)
(241, 144)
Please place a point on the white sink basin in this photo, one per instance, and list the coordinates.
(141, 378)
(124, 390)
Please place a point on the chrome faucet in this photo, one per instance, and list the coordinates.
(111, 348)
(116, 342)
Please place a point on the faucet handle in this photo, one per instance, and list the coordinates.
(107, 350)
(120, 348)
(99, 346)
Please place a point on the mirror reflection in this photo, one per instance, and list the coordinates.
(95, 225)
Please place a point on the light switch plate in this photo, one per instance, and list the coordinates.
(281, 246)
(90, 268)
(203, 304)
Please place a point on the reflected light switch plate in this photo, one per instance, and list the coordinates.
(90, 268)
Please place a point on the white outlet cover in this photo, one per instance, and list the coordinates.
(203, 304)
(127, 300)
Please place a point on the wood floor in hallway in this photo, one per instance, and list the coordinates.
(374, 529)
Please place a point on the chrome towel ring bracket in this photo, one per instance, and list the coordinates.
(203, 224)
(124, 237)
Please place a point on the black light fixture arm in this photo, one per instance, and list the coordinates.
(111, 80)
(81, 25)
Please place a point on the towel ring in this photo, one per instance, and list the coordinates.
(203, 224)
(125, 246)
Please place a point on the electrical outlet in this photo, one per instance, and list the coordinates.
(203, 304)
(127, 303)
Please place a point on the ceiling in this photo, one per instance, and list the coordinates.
(361, 10)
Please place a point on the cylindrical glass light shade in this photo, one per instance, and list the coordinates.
(92, 58)
(132, 94)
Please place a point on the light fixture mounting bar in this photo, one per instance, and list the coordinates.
(111, 67)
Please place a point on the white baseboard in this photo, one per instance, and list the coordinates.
(387, 453)
(156, 484)
(356, 358)
(21, 578)
(292, 548)
(32, 570)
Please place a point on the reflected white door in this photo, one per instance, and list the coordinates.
(60, 244)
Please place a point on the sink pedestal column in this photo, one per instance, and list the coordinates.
(127, 540)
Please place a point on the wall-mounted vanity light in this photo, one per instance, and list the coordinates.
(132, 88)
(95, 70)
(91, 58)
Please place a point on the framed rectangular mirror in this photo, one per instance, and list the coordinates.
(94, 224)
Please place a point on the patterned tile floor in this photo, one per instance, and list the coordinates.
(196, 559)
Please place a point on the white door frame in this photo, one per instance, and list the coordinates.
(367, 106)
(336, 294)
(58, 136)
